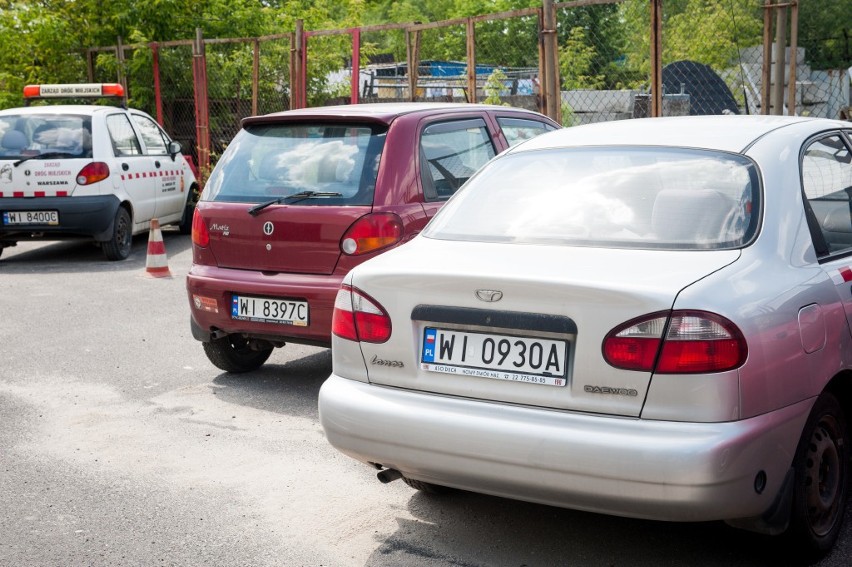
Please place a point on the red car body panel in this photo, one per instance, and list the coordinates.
(302, 259)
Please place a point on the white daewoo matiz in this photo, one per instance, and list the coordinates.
(646, 318)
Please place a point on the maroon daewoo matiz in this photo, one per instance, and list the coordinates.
(301, 197)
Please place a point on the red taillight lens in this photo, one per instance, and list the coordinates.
(200, 236)
(372, 232)
(358, 317)
(694, 342)
(92, 173)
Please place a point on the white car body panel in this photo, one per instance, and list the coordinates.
(688, 447)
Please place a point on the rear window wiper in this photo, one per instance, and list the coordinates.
(46, 155)
(297, 196)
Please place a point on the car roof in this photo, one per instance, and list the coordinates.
(85, 109)
(722, 132)
(384, 112)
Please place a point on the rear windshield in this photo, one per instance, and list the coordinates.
(317, 164)
(613, 197)
(25, 135)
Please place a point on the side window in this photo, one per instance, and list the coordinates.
(451, 152)
(124, 140)
(153, 137)
(518, 130)
(827, 183)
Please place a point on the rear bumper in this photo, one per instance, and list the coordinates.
(220, 284)
(622, 466)
(90, 216)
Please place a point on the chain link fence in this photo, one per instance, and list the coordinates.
(711, 61)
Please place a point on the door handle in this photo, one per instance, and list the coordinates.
(125, 167)
(157, 163)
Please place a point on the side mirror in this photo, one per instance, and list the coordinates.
(174, 149)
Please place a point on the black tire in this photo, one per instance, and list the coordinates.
(821, 483)
(185, 226)
(118, 247)
(425, 487)
(234, 354)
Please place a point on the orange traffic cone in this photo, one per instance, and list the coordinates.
(156, 265)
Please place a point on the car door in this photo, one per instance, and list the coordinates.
(827, 185)
(171, 192)
(451, 151)
(136, 168)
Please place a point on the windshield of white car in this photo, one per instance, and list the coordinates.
(28, 136)
(269, 164)
(625, 197)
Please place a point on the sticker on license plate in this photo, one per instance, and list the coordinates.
(50, 218)
(500, 357)
(266, 310)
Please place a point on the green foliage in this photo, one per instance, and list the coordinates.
(576, 60)
(494, 86)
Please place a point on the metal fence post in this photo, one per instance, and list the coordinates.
(766, 77)
(202, 118)
(550, 84)
(656, 58)
(794, 59)
(255, 75)
(155, 70)
(356, 64)
(412, 52)
(780, 47)
(471, 61)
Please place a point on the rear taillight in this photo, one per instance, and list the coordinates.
(683, 342)
(92, 173)
(358, 317)
(372, 232)
(200, 236)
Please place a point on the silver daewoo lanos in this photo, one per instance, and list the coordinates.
(647, 318)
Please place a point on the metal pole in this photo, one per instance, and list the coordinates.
(412, 40)
(552, 94)
(255, 75)
(656, 58)
(202, 131)
(158, 94)
(471, 61)
(794, 59)
(356, 64)
(119, 54)
(765, 91)
(780, 46)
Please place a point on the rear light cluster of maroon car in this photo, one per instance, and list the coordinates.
(372, 232)
(359, 317)
(677, 342)
(92, 173)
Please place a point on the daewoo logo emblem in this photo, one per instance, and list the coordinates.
(489, 295)
(268, 228)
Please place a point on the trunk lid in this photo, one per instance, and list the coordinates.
(549, 294)
(281, 238)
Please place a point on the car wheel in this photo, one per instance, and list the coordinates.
(118, 247)
(425, 487)
(234, 354)
(821, 467)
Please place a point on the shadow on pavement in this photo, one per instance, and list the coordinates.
(77, 256)
(291, 388)
(467, 529)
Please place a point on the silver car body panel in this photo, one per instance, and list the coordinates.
(628, 467)
(690, 448)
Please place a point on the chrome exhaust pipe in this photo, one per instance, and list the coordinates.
(388, 475)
